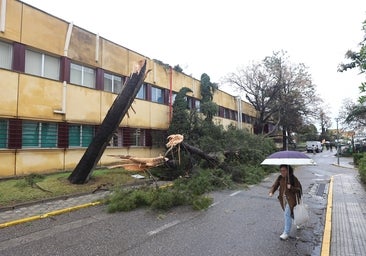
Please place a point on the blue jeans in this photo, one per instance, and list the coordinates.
(288, 219)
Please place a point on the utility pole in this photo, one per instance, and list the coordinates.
(337, 142)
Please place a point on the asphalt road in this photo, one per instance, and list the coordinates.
(241, 222)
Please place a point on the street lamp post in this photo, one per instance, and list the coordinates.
(337, 142)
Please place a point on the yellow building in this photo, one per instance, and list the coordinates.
(57, 83)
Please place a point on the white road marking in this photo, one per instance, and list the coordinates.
(216, 203)
(166, 226)
(235, 193)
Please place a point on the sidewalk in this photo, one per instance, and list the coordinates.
(29, 212)
(46, 209)
(347, 204)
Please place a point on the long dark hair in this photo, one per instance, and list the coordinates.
(290, 174)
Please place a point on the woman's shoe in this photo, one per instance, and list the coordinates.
(284, 236)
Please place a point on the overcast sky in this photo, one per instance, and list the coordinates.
(218, 37)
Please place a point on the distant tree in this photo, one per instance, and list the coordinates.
(325, 122)
(261, 89)
(280, 91)
(208, 107)
(296, 100)
(357, 60)
(357, 112)
(353, 114)
(308, 132)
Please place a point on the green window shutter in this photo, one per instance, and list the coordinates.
(30, 134)
(74, 135)
(3, 133)
(87, 135)
(49, 135)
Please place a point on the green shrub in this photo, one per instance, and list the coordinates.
(29, 180)
(185, 191)
(362, 169)
(127, 200)
(249, 174)
(254, 174)
(200, 183)
(163, 199)
(357, 157)
(201, 202)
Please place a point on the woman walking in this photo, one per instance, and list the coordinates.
(289, 188)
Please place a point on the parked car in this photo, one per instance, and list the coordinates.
(314, 145)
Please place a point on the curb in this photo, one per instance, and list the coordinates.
(46, 215)
(29, 203)
(343, 166)
(63, 197)
(325, 250)
(58, 212)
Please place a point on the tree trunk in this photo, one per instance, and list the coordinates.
(284, 139)
(213, 162)
(111, 122)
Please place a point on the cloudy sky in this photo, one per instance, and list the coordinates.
(218, 37)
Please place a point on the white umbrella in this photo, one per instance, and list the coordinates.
(288, 157)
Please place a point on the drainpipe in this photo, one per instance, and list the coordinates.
(97, 48)
(3, 16)
(68, 37)
(170, 94)
(238, 102)
(66, 49)
(63, 109)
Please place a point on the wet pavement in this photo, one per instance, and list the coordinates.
(348, 229)
(345, 224)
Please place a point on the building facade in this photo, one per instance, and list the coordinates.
(57, 83)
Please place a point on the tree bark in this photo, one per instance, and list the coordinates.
(111, 122)
(213, 162)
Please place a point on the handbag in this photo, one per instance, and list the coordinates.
(301, 215)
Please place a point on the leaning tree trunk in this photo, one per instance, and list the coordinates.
(212, 161)
(119, 108)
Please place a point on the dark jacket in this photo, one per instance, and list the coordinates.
(289, 194)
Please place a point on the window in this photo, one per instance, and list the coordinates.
(82, 75)
(157, 95)
(3, 133)
(142, 92)
(138, 137)
(6, 55)
(80, 135)
(197, 105)
(112, 83)
(174, 95)
(227, 113)
(116, 140)
(234, 115)
(39, 135)
(189, 102)
(158, 138)
(43, 65)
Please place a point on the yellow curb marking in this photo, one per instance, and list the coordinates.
(46, 215)
(166, 185)
(57, 212)
(328, 222)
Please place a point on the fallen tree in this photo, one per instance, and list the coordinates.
(111, 122)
